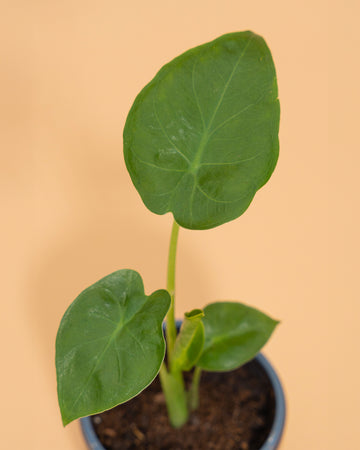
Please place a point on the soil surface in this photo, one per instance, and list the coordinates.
(236, 412)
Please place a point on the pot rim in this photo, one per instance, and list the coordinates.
(277, 427)
(273, 438)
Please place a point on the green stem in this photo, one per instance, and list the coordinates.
(172, 384)
(170, 318)
(194, 390)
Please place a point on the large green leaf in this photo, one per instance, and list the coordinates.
(234, 334)
(202, 137)
(189, 342)
(110, 344)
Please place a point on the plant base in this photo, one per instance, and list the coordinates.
(237, 411)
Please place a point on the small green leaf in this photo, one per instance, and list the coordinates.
(202, 137)
(234, 334)
(194, 314)
(189, 342)
(110, 344)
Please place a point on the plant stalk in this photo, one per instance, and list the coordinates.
(193, 396)
(172, 383)
(170, 318)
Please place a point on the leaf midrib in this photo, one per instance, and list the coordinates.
(112, 338)
(120, 326)
(206, 134)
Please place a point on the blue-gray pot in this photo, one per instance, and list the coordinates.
(272, 440)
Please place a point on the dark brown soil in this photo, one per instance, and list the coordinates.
(236, 412)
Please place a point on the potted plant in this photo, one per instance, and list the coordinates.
(200, 139)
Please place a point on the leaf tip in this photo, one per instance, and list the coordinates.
(195, 314)
(65, 420)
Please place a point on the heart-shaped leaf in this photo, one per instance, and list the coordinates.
(234, 334)
(202, 137)
(110, 344)
(189, 342)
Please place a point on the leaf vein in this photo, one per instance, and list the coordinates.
(228, 84)
(195, 94)
(146, 163)
(137, 341)
(234, 116)
(165, 133)
(232, 162)
(214, 199)
(100, 357)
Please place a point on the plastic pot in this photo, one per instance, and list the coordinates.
(273, 438)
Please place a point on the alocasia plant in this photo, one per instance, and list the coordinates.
(200, 139)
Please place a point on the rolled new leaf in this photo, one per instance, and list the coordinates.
(202, 137)
(110, 345)
(189, 342)
(234, 334)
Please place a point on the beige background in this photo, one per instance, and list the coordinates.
(69, 72)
